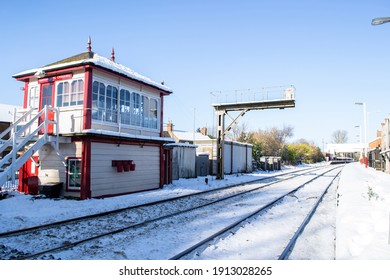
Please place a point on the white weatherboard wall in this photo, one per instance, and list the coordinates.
(183, 161)
(52, 167)
(237, 157)
(106, 180)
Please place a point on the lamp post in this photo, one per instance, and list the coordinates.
(365, 131)
(360, 139)
(381, 20)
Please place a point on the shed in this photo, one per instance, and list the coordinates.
(183, 157)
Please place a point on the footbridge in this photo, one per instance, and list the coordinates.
(243, 101)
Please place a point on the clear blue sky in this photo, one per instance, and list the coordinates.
(327, 49)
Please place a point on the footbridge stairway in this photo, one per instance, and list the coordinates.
(28, 134)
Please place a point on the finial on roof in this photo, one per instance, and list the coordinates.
(163, 82)
(89, 48)
(112, 54)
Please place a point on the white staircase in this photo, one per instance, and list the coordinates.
(27, 135)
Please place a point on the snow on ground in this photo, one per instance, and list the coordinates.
(360, 222)
(25, 210)
(363, 214)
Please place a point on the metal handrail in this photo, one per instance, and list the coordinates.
(11, 159)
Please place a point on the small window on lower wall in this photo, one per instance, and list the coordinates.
(73, 174)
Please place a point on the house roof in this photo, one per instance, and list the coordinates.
(91, 58)
(189, 136)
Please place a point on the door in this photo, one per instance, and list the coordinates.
(47, 99)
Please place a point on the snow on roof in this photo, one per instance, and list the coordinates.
(345, 148)
(6, 112)
(127, 135)
(185, 145)
(95, 59)
(189, 136)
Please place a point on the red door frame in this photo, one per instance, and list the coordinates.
(46, 98)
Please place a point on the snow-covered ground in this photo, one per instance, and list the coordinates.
(24, 210)
(355, 213)
(360, 222)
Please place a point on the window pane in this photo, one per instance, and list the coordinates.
(33, 97)
(74, 173)
(72, 93)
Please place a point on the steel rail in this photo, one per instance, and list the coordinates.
(70, 244)
(290, 246)
(245, 218)
(106, 213)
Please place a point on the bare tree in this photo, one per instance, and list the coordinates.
(340, 136)
(238, 130)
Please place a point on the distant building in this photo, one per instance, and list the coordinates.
(348, 150)
(375, 159)
(238, 156)
(385, 148)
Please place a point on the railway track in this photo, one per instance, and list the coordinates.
(290, 236)
(89, 231)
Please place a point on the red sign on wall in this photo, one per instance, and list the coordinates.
(55, 78)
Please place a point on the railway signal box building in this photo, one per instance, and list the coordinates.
(98, 132)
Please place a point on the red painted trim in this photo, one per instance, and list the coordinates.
(117, 141)
(25, 98)
(87, 118)
(52, 94)
(85, 191)
(52, 73)
(161, 115)
(55, 78)
(162, 167)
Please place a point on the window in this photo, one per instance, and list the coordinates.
(33, 97)
(111, 104)
(124, 106)
(104, 102)
(136, 109)
(153, 113)
(77, 93)
(73, 174)
(146, 112)
(98, 102)
(70, 93)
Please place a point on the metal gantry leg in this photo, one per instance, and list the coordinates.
(220, 144)
(221, 131)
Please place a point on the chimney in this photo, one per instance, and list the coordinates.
(204, 131)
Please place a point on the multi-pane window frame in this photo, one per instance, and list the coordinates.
(104, 101)
(133, 109)
(124, 106)
(70, 93)
(73, 174)
(33, 97)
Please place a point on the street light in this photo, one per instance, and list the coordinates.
(381, 20)
(360, 133)
(360, 140)
(365, 130)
